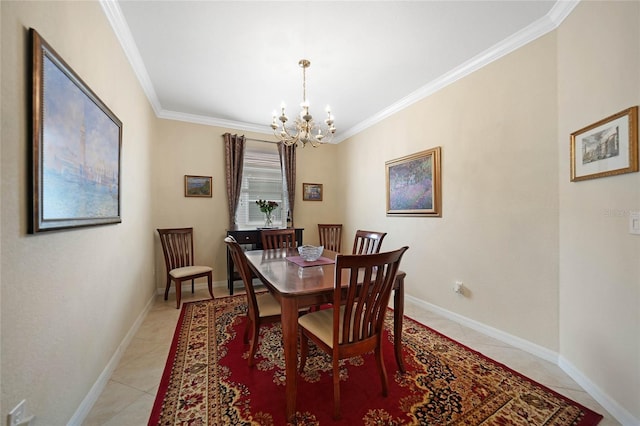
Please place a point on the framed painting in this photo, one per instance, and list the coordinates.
(413, 184)
(311, 192)
(606, 148)
(76, 148)
(197, 186)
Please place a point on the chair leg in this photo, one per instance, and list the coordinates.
(247, 327)
(253, 345)
(167, 287)
(336, 387)
(178, 293)
(192, 286)
(304, 350)
(210, 285)
(382, 370)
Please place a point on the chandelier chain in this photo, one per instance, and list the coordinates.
(304, 84)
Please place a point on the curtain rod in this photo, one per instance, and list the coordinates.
(260, 140)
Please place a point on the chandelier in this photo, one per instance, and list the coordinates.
(305, 130)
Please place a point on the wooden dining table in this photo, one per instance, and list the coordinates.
(297, 287)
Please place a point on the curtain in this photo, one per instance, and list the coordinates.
(234, 156)
(288, 161)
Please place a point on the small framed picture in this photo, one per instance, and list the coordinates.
(606, 148)
(311, 192)
(197, 186)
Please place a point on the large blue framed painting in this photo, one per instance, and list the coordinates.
(76, 148)
(413, 184)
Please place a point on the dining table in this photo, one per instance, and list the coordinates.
(298, 284)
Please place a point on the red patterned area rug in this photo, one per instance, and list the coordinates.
(207, 381)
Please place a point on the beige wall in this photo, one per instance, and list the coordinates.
(499, 227)
(192, 149)
(599, 74)
(69, 298)
(512, 227)
(544, 259)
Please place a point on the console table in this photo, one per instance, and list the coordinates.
(250, 239)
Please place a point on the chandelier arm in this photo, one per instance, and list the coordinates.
(287, 138)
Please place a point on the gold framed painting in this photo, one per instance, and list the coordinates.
(606, 148)
(311, 192)
(413, 184)
(197, 186)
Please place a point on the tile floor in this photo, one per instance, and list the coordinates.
(129, 395)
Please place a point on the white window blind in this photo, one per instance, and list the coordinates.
(261, 180)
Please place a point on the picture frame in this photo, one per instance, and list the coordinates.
(76, 148)
(197, 186)
(606, 148)
(311, 192)
(414, 184)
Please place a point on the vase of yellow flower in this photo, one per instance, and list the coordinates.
(267, 207)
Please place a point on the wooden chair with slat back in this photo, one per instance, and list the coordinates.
(330, 236)
(177, 247)
(355, 323)
(262, 308)
(367, 242)
(278, 238)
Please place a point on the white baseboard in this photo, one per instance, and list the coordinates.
(96, 390)
(525, 345)
(609, 404)
(618, 412)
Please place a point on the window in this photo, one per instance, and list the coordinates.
(261, 179)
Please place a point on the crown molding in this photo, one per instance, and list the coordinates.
(113, 12)
(218, 122)
(537, 29)
(542, 26)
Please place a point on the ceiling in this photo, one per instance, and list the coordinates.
(232, 63)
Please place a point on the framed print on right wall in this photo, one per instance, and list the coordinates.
(606, 148)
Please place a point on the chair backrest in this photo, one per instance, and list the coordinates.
(278, 238)
(369, 279)
(367, 242)
(330, 236)
(177, 247)
(240, 260)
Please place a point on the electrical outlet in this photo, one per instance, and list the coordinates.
(458, 287)
(634, 222)
(16, 415)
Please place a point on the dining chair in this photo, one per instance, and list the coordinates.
(367, 242)
(278, 238)
(330, 236)
(177, 247)
(262, 308)
(356, 327)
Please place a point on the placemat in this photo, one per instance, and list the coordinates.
(298, 260)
